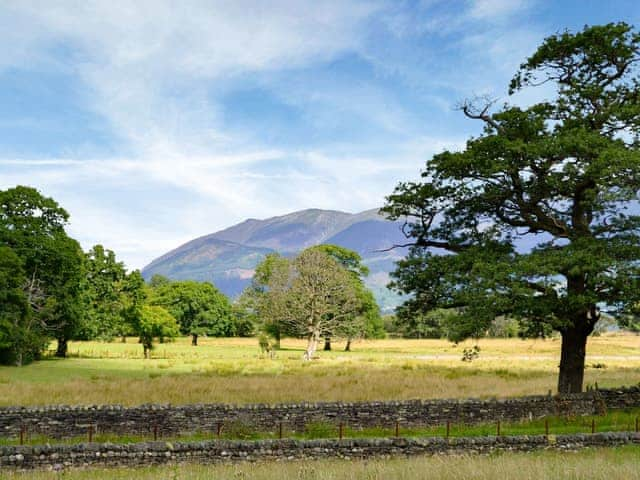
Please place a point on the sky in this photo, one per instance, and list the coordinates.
(154, 122)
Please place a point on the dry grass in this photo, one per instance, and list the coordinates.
(231, 370)
(605, 464)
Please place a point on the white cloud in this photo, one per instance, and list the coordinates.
(494, 9)
(154, 70)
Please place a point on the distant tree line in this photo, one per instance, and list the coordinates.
(51, 290)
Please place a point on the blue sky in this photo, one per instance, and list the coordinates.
(153, 122)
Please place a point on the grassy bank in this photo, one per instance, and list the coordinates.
(606, 464)
(232, 370)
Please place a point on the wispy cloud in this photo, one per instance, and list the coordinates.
(349, 97)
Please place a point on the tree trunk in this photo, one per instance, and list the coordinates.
(327, 343)
(147, 350)
(124, 339)
(276, 344)
(194, 339)
(347, 348)
(61, 351)
(574, 346)
(312, 345)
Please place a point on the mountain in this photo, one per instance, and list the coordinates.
(228, 257)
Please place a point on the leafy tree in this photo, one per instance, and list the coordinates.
(562, 173)
(65, 314)
(105, 282)
(199, 308)
(350, 260)
(366, 320)
(158, 280)
(21, 338)
(260, 303)
(311, 297)
(33, 227)
(154, 322)
(419, 324)
(134, 297)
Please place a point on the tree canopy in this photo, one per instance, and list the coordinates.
(561, 174)
(199, 307)
(318, 293)
(32, 226)
(154, 322)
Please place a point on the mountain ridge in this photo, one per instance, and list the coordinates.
(227, 257)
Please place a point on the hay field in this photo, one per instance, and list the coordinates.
(233, 370)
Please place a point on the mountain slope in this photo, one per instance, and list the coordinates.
(227, 258)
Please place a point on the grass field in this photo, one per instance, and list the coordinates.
(602, 464)
(232, 370)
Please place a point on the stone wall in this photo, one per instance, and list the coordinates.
(64, 421)
(153, 453)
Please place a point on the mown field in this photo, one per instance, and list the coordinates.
(606, 464)
(233, 370)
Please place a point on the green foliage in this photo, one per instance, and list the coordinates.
(562, 174)
(259, 307)
(366, 320)
(431, 324)
(199, 308)
(349, 259)
(32, 226)
(21, 339)
(154, 322)
(324, 280)
(105, 296)
(504, 327)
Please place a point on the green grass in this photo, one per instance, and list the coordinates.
(595, 464)
(616, 420)
(232, 370)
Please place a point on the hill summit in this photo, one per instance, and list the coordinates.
(228, 257)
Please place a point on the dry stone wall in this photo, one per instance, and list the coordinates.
(58, 457)
(66, 421)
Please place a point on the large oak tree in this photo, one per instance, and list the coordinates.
(562, 175)
(33, 227)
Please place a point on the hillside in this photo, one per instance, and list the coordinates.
(227, 258)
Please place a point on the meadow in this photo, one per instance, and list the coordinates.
(233, 370)
(606, 464)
